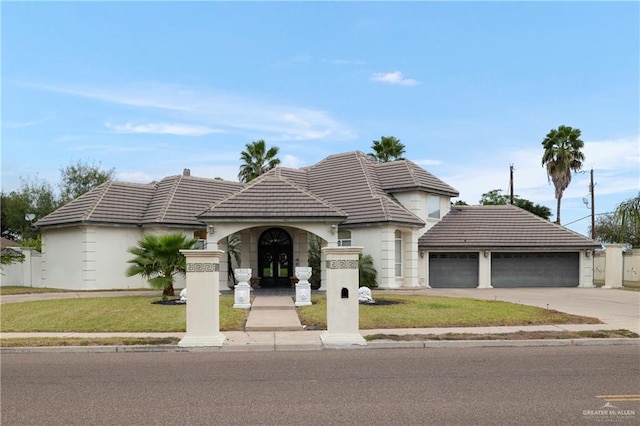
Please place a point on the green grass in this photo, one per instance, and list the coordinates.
(518, 335)
(413, 311)
(108, 314)
(14, 289)
(82, 341)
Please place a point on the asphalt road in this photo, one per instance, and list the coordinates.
(563, 385)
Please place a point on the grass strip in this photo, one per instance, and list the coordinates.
(81, 341)
(519, 335)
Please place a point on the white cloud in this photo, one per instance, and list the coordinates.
(395, 77)
(612, 154)
(427, 162)
(162, 129)
(291, 161)
(212, 109)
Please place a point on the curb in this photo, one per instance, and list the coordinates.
(429, 344)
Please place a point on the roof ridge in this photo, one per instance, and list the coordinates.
(411, 170)
(107, 185)
(169, 199)
(275, 175)
(361, 158)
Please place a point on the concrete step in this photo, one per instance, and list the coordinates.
(272, 303)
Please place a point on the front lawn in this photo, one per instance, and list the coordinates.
(108, 314)
(412, 311)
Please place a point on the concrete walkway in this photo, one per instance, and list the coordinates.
(274, 325)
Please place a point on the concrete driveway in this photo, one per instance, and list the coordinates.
(619, 308)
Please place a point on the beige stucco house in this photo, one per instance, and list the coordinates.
(397, 211)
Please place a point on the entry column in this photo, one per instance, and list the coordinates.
(343, 308)
(203, 299)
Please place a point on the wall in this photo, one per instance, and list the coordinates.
(27, 273)
(379, 242)
(630, 268)
(62, 258)
(95, 257)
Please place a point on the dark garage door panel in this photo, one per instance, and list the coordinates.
(535, 269)
(453, 270)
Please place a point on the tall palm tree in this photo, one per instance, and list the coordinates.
(158, 259)
(257, 160)
(562, 155)
(388, 148)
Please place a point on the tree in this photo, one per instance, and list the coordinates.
(9, 256)
(257, 160)
(234, 242)
(628, 215)
(34, 197)
(388, 148)
(158, 259)
(367, 273)
(496, 198)
(314, 260)
(622, 226)
(77, 179)
(562, 155)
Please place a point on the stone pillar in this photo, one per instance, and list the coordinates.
(242, 290)
(484, 269)
(203, 305)
(613, 266)
(343, 309)
(303, 288)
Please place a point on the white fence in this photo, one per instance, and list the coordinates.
(27, 273)
(626, 267)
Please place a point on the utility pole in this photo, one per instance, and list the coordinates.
(593, 208)
(511, 184)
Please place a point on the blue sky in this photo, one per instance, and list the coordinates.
(150, 88)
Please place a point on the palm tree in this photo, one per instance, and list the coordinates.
(233, 253)
(627, 214)
(367, 273)
(257, 160)
(388, 148)
(562, 155)
(158, 259)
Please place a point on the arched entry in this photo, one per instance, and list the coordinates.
(275, 250)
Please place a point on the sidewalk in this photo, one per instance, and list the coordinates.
(274, 325)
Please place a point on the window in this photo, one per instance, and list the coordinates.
(398, 245)
(433, 207)
(344, 238)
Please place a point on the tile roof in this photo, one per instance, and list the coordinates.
(272, 196)
(111, 202)
(179, 199)
(349, 181)
(350, 186)
(495, 227)
(175, 200)
(5, 242)
(405, 175)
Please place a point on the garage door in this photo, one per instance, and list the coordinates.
(453, 270)
(535, 269)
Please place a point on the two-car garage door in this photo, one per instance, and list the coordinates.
(535, 269)
(460, 270)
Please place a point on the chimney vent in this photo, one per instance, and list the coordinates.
(186, 172)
